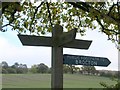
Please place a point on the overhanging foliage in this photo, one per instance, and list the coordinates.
(39, 17)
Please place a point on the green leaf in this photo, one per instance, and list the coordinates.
(49, 29)
(39, 29)
(43, 32)
(26, 24)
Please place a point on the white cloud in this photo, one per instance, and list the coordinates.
(23, 54)
(3, 43)
(27, 55)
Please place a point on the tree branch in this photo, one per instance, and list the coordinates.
(34, 15)
(12, 13)
(76, 5)
(103, 28)
(49, 14)
(6, 5)
(118, 8)
(12, 18)
(118, 5)
(3, 30)
(86, 7)
(6, 25)
(110, 9)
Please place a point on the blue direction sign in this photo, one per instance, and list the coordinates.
(85, 60)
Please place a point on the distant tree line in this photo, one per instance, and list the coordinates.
(14, 69)
(17, 68)
(40, 68)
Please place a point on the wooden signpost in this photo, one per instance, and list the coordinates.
(58, 40)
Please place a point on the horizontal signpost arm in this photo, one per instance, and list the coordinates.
(31, 40)
(85, 60)
(78, 44)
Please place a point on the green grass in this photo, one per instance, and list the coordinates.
(44, 81)
(85, 81)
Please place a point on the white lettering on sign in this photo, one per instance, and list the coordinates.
(76, 61)
(86, 62)
(83, 60)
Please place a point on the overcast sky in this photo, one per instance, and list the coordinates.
(11, 50)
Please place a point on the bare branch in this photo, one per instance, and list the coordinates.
(87, 8)
(118, 8)
(12, 18)
(78, 6)
(3, 30)
(35, 14)
(110, 9)
(118, 5)
(103, 28)
(12, 13)
(49, 14)
(5, 25)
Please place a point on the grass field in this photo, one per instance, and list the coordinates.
(44, 81)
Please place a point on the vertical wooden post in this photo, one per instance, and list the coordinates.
(57, 60)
